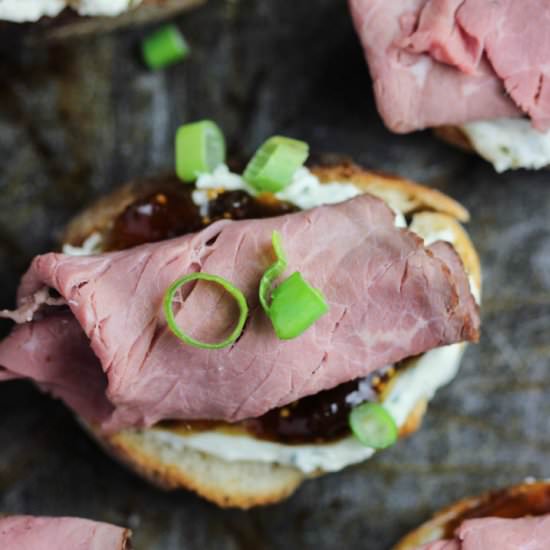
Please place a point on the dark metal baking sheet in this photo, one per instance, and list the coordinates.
(78, 117)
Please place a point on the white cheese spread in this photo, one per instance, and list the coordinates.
(418, 381)
(509, 143)
(92, 245)
(104, 7)
(304, 191)
(20, 11)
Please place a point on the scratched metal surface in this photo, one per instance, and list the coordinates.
(80, 117)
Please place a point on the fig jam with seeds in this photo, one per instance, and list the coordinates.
(162, 215)
(170, 212)
(319, 417)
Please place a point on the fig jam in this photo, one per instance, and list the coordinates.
(170, 212)
(319, 417)
(162, 215)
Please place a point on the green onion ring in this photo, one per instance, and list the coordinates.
(273, 272)
(373, 425)
(228, 287)
(294, 305)
(272, 167)
(199, 148)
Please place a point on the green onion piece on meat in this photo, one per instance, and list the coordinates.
(200, 148)
(231, 289)
(373, 426)
(272, 167)
(273, 272)
(295, 304)
(164, 47)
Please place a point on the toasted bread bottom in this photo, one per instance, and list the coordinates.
(246, 484)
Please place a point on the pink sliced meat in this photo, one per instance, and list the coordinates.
(438, 32)
(517, 46)
(438, 62)
(529, 533)
(34, 533)
(109, 354)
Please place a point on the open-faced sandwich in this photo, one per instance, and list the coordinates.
(237, 334)
(39, 533)
(64, 18)
(510, 519)
(474, 70)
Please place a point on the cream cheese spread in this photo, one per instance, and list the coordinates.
(21, 11)
(103, 7)
(509, 143)
(305, 190)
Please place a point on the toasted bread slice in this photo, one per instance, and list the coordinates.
(527, 499)
(245, 484)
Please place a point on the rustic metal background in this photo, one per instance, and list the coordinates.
(76, 118)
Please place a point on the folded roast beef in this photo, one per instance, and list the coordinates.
(33, 533)
(438, 62)
(109, 354)
(529, 533)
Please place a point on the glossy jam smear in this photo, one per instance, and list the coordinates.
(170, 212)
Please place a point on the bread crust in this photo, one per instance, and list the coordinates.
(246, 484)
(530, 498)
(237, 484)
(403, 194)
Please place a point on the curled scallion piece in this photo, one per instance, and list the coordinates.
(228, 287)
(295, 305)
(274, 271)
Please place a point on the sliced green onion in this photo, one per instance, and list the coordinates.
(273, 272)
(272, 167)
(373, 426)
(228, 287)
(200, 147)
(164, 47)
(295, 304)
